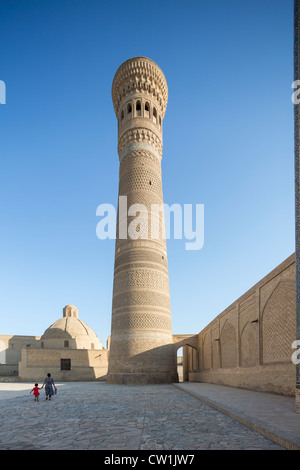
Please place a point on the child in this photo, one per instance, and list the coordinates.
(36, 392)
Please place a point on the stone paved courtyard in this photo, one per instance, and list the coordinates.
(98, 416)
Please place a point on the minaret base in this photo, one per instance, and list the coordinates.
(141, 378)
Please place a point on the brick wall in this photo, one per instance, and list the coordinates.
(249, 345)
(85, 364)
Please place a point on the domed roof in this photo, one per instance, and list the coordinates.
(70, 327)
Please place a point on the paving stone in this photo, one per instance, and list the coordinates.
(96, 415)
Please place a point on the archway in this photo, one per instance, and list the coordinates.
(3, 348)
(179, 363)
(184, 345)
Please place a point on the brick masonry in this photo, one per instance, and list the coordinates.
(249, 344)
(141, 343)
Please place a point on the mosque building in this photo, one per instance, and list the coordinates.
(69, 349)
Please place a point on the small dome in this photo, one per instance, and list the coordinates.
(70, 311)
(70, 331)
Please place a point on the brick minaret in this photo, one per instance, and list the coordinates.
(141, 348)
(297, 185)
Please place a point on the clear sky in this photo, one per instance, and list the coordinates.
(228, 144)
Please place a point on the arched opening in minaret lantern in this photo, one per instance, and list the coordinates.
(138, 108)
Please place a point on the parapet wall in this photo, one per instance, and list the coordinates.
(249, 344)
(64, 365)
(10, 352)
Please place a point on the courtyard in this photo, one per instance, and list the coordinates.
(98, 416)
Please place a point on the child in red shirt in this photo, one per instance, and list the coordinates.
(36, 392)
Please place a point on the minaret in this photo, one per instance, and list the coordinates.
(141, 348)
(297, 185)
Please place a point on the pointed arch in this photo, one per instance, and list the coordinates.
(249, 345)
(278, 327)
(206, 351)
(228, 346)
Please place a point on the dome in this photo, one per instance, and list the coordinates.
(70, 332)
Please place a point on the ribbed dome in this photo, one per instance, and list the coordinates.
(68, 326)
(70, 331)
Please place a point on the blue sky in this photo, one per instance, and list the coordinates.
(228, 144)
